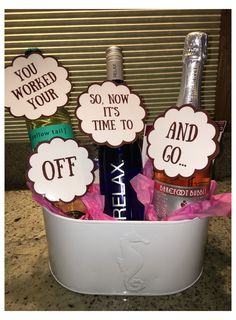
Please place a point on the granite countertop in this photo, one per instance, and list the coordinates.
(30, 285)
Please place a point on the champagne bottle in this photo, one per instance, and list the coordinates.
(119, 165)
(46, 128)
(171, 194)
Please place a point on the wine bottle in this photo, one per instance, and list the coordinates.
(46, 128)
(171, 194)
(119, 165)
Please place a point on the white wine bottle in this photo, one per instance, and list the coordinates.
(46, 128)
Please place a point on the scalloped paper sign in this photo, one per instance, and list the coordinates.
(183, 141)
(110, 114)
(35, 86)
(60, 170)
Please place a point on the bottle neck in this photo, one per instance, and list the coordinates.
(190, 89)
(114, 70)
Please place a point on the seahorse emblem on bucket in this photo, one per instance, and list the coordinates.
(131, 260)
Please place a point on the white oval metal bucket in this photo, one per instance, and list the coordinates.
(125, 258)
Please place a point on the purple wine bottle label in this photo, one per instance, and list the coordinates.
(118, 194)
(117, 167)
